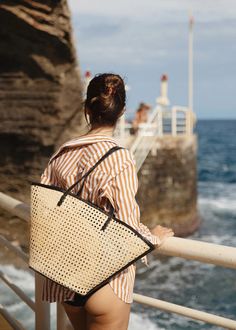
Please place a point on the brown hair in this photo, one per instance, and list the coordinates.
(105, 99)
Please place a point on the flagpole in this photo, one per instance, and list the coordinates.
(190, 64)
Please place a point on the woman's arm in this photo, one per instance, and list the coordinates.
(121, 192)
(125, 189)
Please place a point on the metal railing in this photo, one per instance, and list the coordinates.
(10, 320)
(161, 121)
(179, 121)
(178, 247)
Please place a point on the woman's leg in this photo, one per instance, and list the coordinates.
(76, 315)
(105, 311)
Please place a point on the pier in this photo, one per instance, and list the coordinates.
(165, 150)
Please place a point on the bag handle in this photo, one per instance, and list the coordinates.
(109, 152)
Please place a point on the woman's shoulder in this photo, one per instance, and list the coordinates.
(126, 154)
(87, 141)
(89, 153)
(120, 160)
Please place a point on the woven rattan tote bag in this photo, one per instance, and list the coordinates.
(77, 244)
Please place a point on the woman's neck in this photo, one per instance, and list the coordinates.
(103, 130)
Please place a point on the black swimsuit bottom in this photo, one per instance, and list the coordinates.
(78, 300)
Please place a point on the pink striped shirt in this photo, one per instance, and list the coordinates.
(114, 182)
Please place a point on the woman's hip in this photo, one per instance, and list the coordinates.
(105, 300)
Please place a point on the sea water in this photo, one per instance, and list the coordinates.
(189, 283)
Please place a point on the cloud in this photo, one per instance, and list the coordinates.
(141, 40)
(134, 32)
(205, 10)
(127, 42)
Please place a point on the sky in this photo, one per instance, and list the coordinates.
(141, 40)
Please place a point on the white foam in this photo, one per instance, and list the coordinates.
(217, 196)
(140, 322)
(225, 204)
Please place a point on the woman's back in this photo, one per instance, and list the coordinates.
(113, 182)
(76, 157)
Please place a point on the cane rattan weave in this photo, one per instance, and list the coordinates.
(77, 244)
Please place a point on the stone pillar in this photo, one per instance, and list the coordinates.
(168, 179)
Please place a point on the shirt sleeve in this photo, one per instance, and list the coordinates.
(48, 175)
(121, 193)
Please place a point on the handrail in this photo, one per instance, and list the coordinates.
(140, 146)
(211, 253)
(216, 254)
(15, 207)
(13, 322)
(17, 290)
(176, 125)
(173, 246)
(186, 311)
(14, 249)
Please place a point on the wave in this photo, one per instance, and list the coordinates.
(218, 195)
(140, 322)
(222, 203)
(218, 189)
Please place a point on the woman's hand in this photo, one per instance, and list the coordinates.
(162, 232)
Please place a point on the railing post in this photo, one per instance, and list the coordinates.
(173, 121)
(122, 126)
(188, 122)
(62, 319)
(42, 308)
(160, 122)
(191, 122)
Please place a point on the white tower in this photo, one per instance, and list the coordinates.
(87, 78)
(190, 64)
(163, 98)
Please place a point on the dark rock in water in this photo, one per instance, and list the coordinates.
(40, 87)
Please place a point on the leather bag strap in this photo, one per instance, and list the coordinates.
(109, 152)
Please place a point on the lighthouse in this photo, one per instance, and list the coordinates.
(87, 78)
(163, 100)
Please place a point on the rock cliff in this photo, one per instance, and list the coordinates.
(40, 86)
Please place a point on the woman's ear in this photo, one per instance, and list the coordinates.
(87, 115)
(87, 111)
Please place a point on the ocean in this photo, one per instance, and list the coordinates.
(189, 283)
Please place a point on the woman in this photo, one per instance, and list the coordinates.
(114, 182)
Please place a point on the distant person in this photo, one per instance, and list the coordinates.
(141, 116)
(114, 182)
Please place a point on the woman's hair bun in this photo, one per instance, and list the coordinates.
(105, 98)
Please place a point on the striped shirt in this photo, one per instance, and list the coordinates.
(113, 182)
